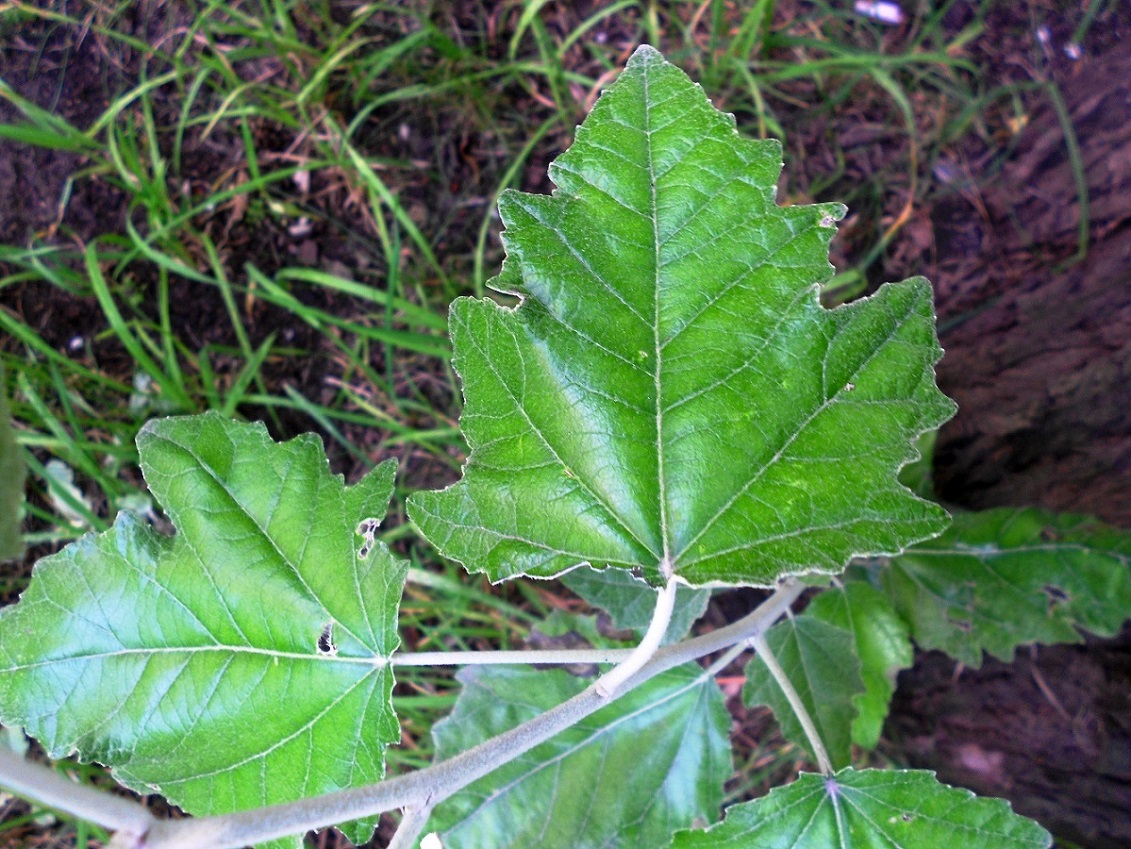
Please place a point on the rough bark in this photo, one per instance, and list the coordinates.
(1039, 361)
(1038, 345)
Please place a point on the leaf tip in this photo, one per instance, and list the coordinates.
(645, 54)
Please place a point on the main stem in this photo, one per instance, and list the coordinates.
(42, 784)
(137, 827)
(441, 780)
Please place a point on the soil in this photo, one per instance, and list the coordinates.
(1051, 732)
(1038, 339)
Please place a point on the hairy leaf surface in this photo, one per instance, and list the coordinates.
(241, 662)
(821, 662)
(11, 481)
(670, 394)
(880, 638)
(863, 809)
(1003, 578)
(653, 761)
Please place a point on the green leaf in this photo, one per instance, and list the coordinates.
(882, 642)
(562, 630)
(653, 761)
(670, 394)
(12, 474)
(822, 665)
(630, 602)
(241, 662)
(862, 809)
(1003, 578)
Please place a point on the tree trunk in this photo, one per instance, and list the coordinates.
(1039, 360)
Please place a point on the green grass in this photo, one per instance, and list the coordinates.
(386, 131)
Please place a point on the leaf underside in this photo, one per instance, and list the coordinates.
(652, 762)
(240, 663)
(670, 394)
(1003, 578)
(820, 661)
(862, 809)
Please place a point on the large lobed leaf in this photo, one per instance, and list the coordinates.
(653, 761)
(867, 809)
(241, 662)
(670, 394)
(1003, 578)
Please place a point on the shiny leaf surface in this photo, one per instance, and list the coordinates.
(653, 761)
(670, 395)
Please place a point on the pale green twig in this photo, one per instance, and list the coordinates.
(415, 819)
(759, 644)
(44, 786)
(441, 780)
(608, 683)
(534, 657)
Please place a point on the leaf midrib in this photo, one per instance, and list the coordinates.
(377, 662)
(665, 565)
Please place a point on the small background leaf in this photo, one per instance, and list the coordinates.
(653, 761)
(1003, 578)
(12, 473)
(864, 809)
(191, 664)
(882, 642)
(630, 602)
(821, 662)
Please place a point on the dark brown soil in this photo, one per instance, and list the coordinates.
(1051, 732)
(52, 200)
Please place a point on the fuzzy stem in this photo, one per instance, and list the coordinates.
(608, 683)
(415, 819)
(533, 657)
(45, 786)
(763, 648)
(427, 786)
